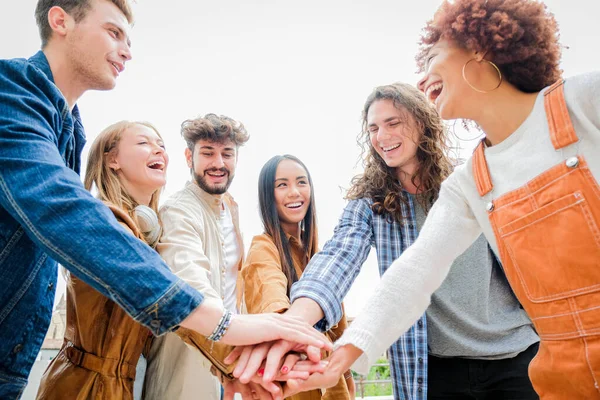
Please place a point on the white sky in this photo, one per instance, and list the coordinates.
(295, 73)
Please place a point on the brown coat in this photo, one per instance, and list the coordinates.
(102, 344)
(265, 290)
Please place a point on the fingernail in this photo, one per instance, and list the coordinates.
(285, 369)
(261, 372)
(324, 363)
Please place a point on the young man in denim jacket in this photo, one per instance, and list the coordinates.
(46, 215)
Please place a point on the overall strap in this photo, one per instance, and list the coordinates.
(483, 180)
(562, 132)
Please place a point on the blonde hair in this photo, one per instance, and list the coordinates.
(105, 179)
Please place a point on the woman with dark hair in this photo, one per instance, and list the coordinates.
(531, 188)
(277, 258)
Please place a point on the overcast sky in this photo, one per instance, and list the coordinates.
(295, 73)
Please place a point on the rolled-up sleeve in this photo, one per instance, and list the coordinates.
(331, 272)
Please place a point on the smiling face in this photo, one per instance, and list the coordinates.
(140, 162)
(394, 135)
(98, 46)
(444, 85)
(213, 165)
(292, 194)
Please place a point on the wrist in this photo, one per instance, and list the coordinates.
(222, 327)
(306, 309)
(204, 318)
(343, 358)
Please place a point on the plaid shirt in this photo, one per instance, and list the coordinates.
(330, 273)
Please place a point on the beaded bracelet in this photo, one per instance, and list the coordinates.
(222, 327)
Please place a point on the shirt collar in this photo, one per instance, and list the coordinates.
(39, 60)
(215, 202)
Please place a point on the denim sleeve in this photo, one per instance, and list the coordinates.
(50, 203)
(331, 272)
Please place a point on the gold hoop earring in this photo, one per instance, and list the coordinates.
(464, 75)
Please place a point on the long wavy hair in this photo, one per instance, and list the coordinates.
(380, 182)
(98, 173)
(272, 224)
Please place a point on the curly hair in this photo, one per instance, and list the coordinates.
(378, 181)
(214, 128)
(520, 36)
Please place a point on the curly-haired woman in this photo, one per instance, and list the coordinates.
(474, 337)
(531, 187)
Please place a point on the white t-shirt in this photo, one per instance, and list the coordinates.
(232, 258)
(459, 216)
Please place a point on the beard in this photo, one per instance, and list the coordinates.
(213, 189)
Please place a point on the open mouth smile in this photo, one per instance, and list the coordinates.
(157, 165)
(295, 205)
(391, 147)
(434, 90)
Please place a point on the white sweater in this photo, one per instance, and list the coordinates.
(459, 216)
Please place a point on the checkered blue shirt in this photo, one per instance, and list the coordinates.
(330, 273)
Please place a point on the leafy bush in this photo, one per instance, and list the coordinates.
(377, 372)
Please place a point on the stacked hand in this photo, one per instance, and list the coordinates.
(289, 350)
(260, 368)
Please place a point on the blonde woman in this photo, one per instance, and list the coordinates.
(127, 166)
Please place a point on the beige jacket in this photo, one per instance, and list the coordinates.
(193, 246)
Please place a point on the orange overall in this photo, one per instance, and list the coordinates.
(549, 241)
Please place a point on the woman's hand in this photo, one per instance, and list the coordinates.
(257, 328)
(251, 391)
(271, 356)
(339, 362)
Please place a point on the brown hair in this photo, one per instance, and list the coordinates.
(520, 36)
(99, 174)
(214, 128)
(379, 182)
(76, 8)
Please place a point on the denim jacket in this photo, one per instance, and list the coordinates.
(47, 216)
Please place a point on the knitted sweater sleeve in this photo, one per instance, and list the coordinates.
(405, 290)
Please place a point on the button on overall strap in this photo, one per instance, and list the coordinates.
(561, 129)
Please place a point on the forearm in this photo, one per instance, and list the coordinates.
(83, 236)
(307, 309)
(45, 198)
(331, 272)
(404, 292)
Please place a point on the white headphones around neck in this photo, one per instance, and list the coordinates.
(147, 221)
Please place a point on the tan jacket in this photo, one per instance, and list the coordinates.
(102, 344)
(265, 290)
(193, 246)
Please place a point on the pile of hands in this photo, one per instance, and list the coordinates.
(277, 355)
(281, 368)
